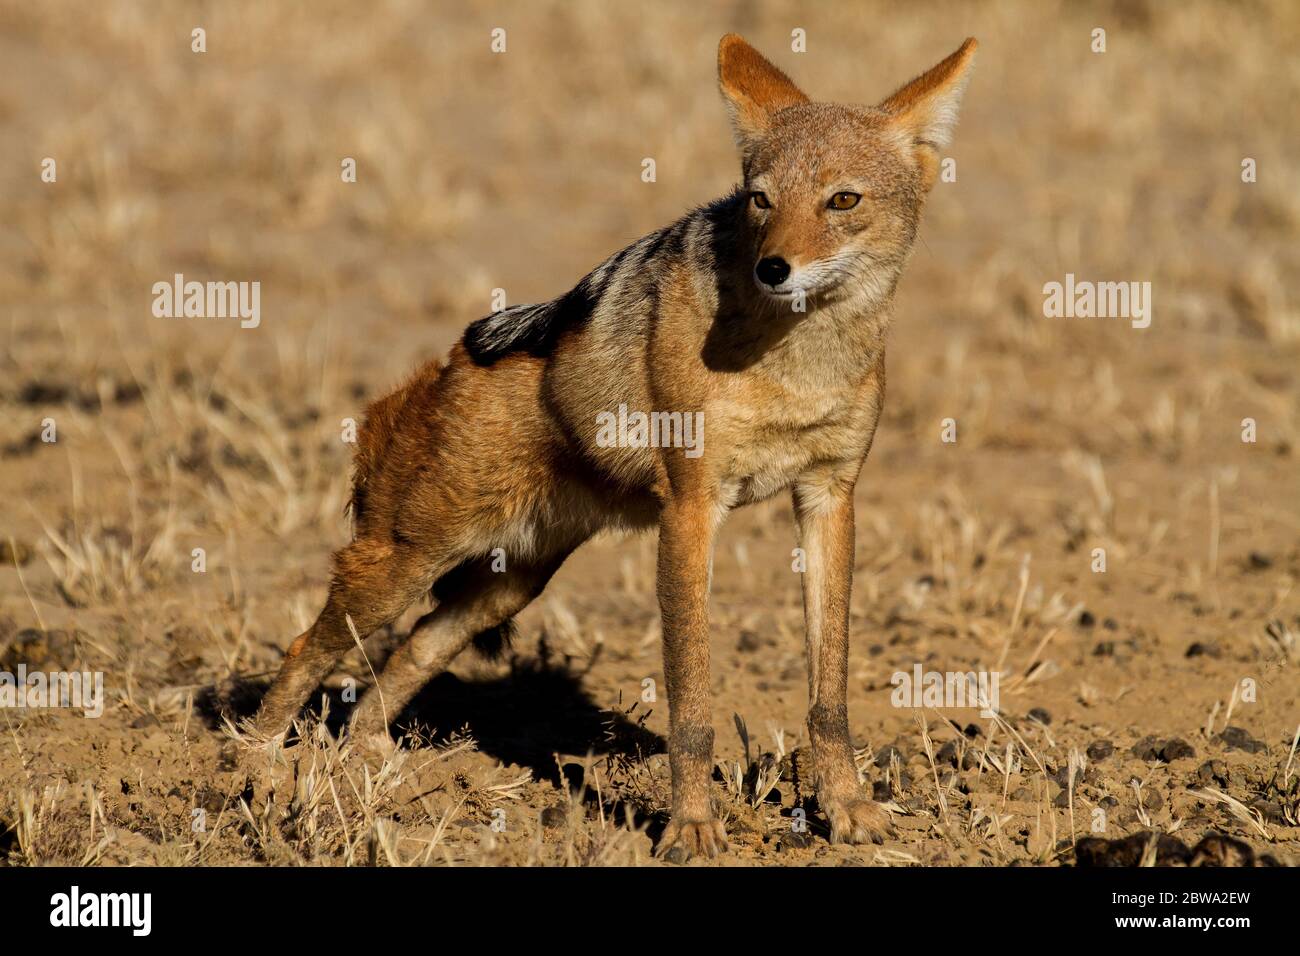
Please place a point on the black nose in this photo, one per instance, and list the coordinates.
(772, 270)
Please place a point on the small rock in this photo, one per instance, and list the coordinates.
(678, 855)
(1040, 715)
(1100, 749)
(882, 758)
(1177, 749)
(1199, 649)
(1086, 619)
(1212, 771)
(1152, 800)
(946, 755)
(210, 799)
(749, 642)
(1128, 851)
(229, 759)
(1215, 849)
(795, 840)
(1238, 738)
(1271, 811)
(1259, 561)
(553, 817)
(1148, 748)
(1062, 778)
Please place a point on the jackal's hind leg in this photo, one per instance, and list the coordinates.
(373, 583)
(472, 600)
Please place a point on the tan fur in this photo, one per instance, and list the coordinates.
(500, 448)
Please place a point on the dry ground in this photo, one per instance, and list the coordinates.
(520, 171)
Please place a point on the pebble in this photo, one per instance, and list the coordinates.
(678, 855)
(1212, 771)
(794, 840)
(882, 758)
(1177, 749)
(1128, 851)
(553, 817)
(1148, 748)
(1100, 749)
(947, 754)
(1238, 738)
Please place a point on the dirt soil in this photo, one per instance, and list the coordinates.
(1159, 696)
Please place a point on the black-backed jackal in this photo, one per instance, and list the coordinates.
(766, 312)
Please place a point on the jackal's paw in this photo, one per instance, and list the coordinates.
(858, 821)
(706, 838)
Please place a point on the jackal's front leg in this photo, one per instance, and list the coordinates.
(824, 509)
(685, 547)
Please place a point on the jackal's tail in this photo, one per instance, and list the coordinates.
(520, 328)
(528, 328)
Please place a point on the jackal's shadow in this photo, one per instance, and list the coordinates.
(528, 716)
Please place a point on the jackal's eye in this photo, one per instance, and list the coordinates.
(844, 201)
(760, 200)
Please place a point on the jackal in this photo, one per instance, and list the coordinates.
(767, 312)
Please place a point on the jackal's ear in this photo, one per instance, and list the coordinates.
(753, 88)
(925, 110)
